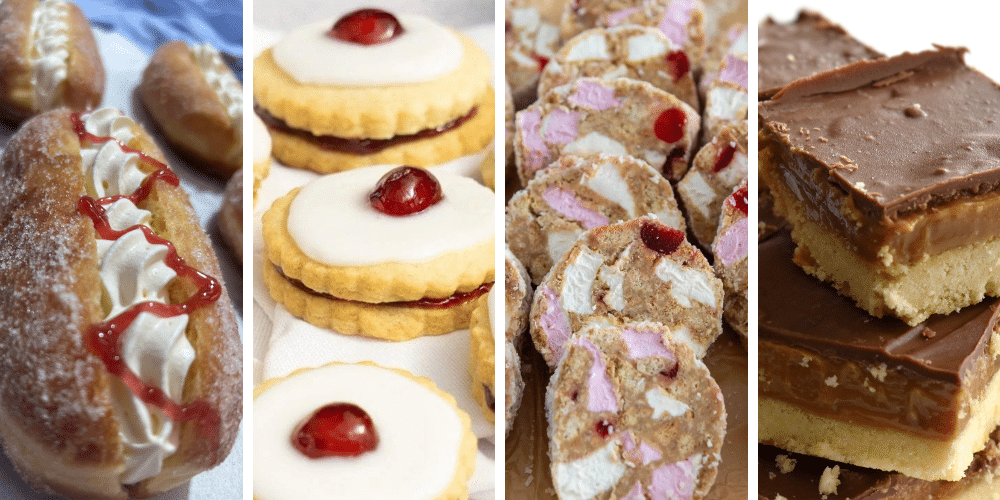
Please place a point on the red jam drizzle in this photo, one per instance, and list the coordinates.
(104, 339)
(724, 158)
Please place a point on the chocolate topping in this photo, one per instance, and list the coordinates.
(811, 44)
(853, 124)
(357, 146)
(801, 316)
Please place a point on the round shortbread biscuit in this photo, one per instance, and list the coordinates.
(731, 247)
(531, 39)
(633, 414)
(410, 415)
(640, 270)
(636, 52)
(718, 168)
(682, 21)
(618, 117)
(577, 193)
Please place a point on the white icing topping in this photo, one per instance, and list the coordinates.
(132, 270)
(261, 141)
(585, 478)
(646, 46)
(608, 182)
(594, 143)
(686, 283)
(419, 437)
(424, 51)
(50, 55)
(589, 47)
(662, 403)
(578, 281)
(332, 222)
(222, 81)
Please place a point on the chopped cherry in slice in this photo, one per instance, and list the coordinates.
(725, 157)
(740, 200)
(404, 191)
(675, 163)
(660, 238)
(678, 63)
(669, 126)
(366, 27)
(336, 430)
(670, 373)
(604, 428)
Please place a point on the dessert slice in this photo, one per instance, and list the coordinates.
(839, 384)
(633, 414)
(810, 45)
(387, 252)
(531, 39)
(889, 173)
(640, 270)
(731, 248)
(718, 168)
(575, 194)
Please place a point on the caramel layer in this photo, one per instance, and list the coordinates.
(821, 353)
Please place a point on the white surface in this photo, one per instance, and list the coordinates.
(124, 63)
(892, 27)
(283, 343)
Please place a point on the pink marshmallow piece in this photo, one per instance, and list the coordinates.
(593, 95)
(649, 454)
(529, 123)
(635, 493)
(560, 127)
(645, 344)
(553, 321)
(601, 392)
(735, 71)
(675, 21)
(733, 244)
(673, 481)
(564, 202)
(616, 18)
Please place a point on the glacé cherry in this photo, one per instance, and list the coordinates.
(366, 27)
(669, 126)
(660, 238)
(336, 430)
(405, 191)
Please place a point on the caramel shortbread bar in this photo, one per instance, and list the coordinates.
(889, 173)
(836, 383)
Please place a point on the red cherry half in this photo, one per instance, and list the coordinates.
(366, 27)
(669, 126)
(405, 191)
(678, 63)
(740, 200)
(336, 430)
(660, 238)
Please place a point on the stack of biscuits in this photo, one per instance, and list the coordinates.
(879, 333)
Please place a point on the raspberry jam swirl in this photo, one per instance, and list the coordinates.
(159, 259)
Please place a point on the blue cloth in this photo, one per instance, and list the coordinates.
(151, 23)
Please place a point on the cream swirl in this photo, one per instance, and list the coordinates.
(133, 271)
(221, 80)
(425, 51)
(50, 55)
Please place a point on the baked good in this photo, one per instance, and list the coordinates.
(531, 38)
(640, 270)
(261, 154)
(403, 253)
(230, 216)
(718, 168)
(517, 296)
(727, 98)
(121, 359)
(794, 476)
(511, 182)
(910, 205)
(488, 169)
(618, 117)
(513, 384)
(481, 355)
(811, 44)
(633, 413)
(197, 102)
(630, 51)
(575, 194)
(682, 21)
(48, 59)
(730, 248)
(375, 89)
(359, 431)
(836, 383)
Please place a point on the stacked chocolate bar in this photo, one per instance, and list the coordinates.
(879, 326)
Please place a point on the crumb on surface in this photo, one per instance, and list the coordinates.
(785, 463)
(832, 381)
(829, 481)
(878, 372)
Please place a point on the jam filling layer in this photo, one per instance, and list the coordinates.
(454, 300)
(357, 146)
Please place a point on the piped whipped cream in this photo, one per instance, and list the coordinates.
(222, 81)
(132, 271)
(50, 52)
(425, 51)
